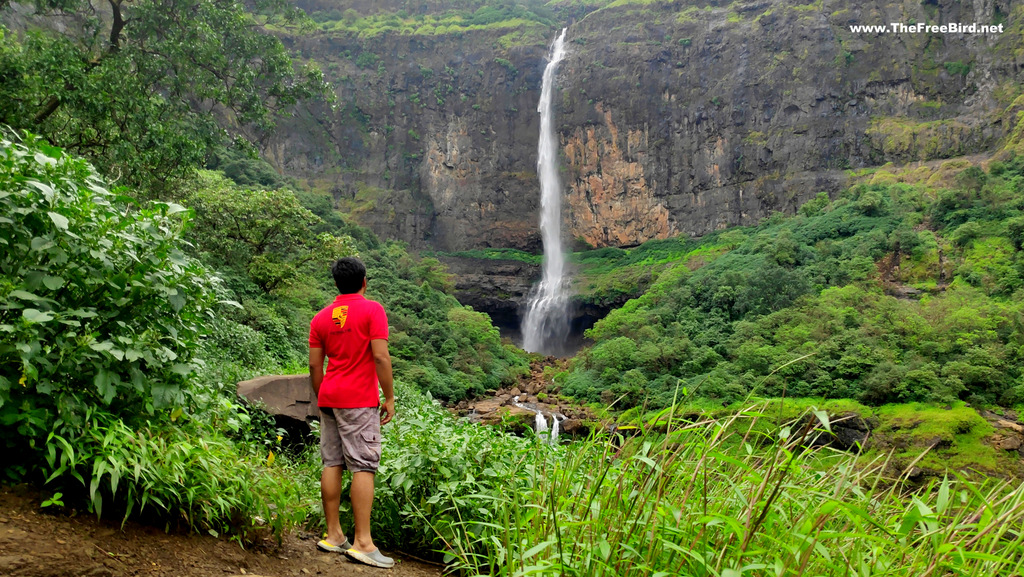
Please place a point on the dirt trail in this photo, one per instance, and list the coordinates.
(34, 543)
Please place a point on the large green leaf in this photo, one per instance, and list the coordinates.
(36, 316)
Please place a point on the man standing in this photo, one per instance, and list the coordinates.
(352, 334)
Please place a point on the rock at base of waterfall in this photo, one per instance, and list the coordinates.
(1006, 443)
(485, 407)
(574, 427)
(517, 419)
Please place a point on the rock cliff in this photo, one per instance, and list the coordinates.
(674, 117)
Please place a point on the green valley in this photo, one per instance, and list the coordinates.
(795, 257)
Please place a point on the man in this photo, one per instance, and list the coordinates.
(352, 333)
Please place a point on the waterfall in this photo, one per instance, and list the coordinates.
(546, 324)
(540, 423)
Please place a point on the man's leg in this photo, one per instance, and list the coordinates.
(362, 502)
(330, 494)
(330, 479)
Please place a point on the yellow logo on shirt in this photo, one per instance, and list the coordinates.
(339, 315)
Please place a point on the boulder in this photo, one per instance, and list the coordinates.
(574, 427)
(486, 406)
(517, 419)
(1004, 424)
(1007, 443)
(289, 398)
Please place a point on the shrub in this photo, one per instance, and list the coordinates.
(190, 477)
(367, 60)
(512, 70)
(98, 305)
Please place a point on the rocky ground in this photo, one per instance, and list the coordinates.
(851, 431)
(36, 543)
(536, 391)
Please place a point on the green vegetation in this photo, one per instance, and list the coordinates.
(692, 502)
(906, 139)
(611, 275)
(512, 70)
(814, 305)
(953, 437)
(99, 307)
(125, 324)
(367, 60)
(269, 231)
(957, 68)
(121, 91)
(464, 17)
(121, 348)
(498, 254)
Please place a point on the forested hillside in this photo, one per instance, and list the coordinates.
(894, 292)
(151, 259)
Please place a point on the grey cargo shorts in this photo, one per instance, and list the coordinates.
(350, 438)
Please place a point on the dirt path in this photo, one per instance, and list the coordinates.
(34, 543)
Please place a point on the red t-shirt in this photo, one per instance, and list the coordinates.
(344, 330)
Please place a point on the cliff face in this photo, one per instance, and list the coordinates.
(673, 116)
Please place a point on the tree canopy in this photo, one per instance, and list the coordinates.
(145, 89)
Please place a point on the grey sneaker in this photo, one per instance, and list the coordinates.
(373, 558)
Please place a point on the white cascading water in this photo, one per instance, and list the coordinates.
(540, 423)
(546, 324)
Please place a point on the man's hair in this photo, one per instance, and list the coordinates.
(348, 273)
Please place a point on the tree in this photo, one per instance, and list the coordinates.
(267, 234)
(143, 87)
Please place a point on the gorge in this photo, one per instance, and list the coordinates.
(433, 135)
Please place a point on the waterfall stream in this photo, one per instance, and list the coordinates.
(540, 422)
(546, 324)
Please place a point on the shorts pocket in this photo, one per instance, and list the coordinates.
(370, 437)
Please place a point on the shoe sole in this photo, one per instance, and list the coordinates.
(367, 560)
(328, 548)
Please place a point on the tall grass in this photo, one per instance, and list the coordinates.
(190, 477)
(723, 498)
(713, 497)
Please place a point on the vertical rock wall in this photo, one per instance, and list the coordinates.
(674, 117)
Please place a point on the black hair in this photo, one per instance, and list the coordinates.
(348, 273)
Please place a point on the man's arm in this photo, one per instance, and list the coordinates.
(316, 370)
(382, 358)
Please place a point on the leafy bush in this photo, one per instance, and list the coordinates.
(433, 466)
(797, 306)
(191, 477)
(125, 90)
(367, 60)
(267, 234)
(244, 167)
(99, 307)
(507, 65)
